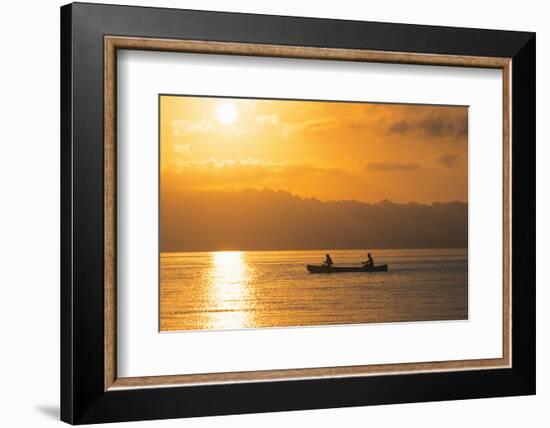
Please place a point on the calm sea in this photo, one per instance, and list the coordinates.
(252, 289)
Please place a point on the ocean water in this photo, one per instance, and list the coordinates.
(255, 289)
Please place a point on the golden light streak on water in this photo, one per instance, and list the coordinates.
(228, 291)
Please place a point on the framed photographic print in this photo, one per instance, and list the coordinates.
(265, 213)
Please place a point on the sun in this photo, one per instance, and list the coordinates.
(226, 113)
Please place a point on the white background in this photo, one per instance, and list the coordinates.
(142, 351)
(29, 226)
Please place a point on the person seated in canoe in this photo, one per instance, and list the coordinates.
(369, 264)
(328, 261)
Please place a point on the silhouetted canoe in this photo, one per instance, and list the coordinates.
(341, 269)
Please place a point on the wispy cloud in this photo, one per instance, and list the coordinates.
(400, 127)
(288, 129)
(448, 160)
(311, 125)
(390, 166)
(225, 172)
(432, 125)
(268, 119)
(182, 149)
(183, 127)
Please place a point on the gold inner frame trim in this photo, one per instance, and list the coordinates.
(113, 43)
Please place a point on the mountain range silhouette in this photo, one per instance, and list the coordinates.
(277, 220)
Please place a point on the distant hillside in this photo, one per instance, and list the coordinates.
(269, 220)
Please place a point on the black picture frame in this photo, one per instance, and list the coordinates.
(83, 398)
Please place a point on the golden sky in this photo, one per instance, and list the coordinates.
(326, 150)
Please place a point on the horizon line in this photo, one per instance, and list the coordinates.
(314, 249)
(265, 189)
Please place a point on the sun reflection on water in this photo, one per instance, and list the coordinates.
(229, 291)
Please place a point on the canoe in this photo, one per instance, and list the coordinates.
(341, 269)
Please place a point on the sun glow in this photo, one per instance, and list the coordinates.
(313, 149)
(226, 113)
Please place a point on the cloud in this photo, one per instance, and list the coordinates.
(438, 125)
(448, 160)
(221, 173)
(311, 125)
(433, 125)
(182, 127)
(247, 103)
(288, 129)
(182, 149)
(390, 166)
(400, 127)
(268, 119)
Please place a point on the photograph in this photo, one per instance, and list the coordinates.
(288, 213)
